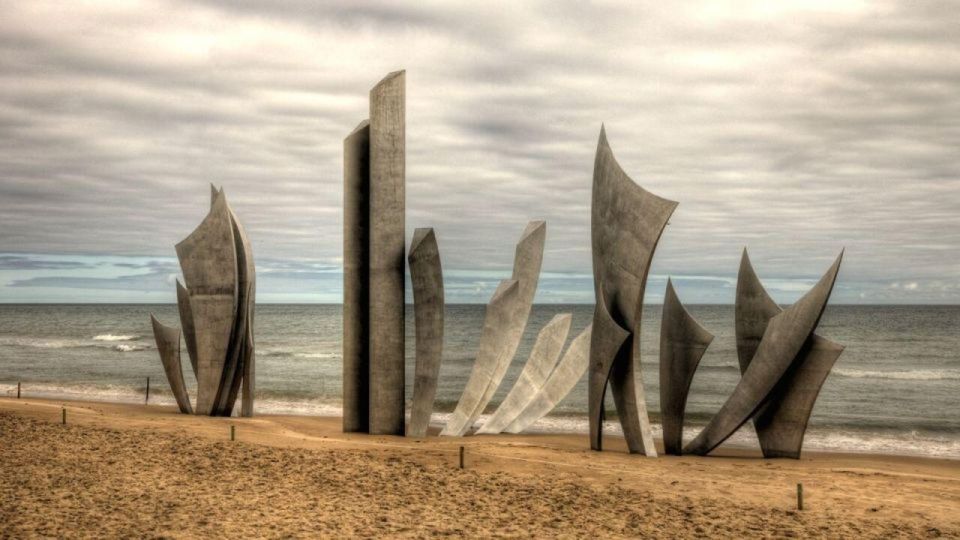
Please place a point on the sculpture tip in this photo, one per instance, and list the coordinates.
(419, 235)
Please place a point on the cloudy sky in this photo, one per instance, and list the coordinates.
(793, 128)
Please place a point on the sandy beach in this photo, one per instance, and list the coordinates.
(144, 471)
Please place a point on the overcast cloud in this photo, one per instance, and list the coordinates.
(793, 128)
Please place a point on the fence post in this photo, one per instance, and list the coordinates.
(18, 389)
(147, 400)
(461, 457)
(63, 416)
(799, 496)
(233, 432)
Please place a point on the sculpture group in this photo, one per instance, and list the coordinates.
(783, 362)
(216, 304)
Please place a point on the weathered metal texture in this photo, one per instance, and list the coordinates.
(186, 321)
(607, 343)
(541, 362)
(783, 339)
(782, 422)
(495, 324)
(356, 279)
(249, 358)
(497, 349)
(626, 224)
(682, 344)
(208, 260)
(426, 275)
(387, 246)
(168, 345)
(560, 382)
(239, 366)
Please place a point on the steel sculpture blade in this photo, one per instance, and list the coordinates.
(495, 324)
(499, 345)
(208, 259)
(782, 422)
(239, 367)
(607, 342)
(426, 276)
(682, 344)
(387, 261)
(186, 320)
(566, 375)
(626, 224)
(541, 362)
(783, 339)
(356, 279)
(168, 345)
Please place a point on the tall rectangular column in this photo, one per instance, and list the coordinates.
(356, 279)
(387, 247)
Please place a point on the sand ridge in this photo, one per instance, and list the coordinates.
(132, 470)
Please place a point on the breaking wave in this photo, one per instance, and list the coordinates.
(912, 375)
(113, 337)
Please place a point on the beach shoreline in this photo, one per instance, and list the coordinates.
(128, 456)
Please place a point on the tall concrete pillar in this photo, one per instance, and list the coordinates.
(356, 279)
(387, 247)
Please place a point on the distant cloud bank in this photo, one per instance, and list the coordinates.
(793, 128)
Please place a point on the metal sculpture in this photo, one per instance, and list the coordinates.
(561, 381)
(356, 278)
(426, 276)
(781, 423)
(216, 306)
(543, 358)
(682, 344)
(783, 339)
(168, 345)
(387, 261)
(626, 224)
(503, 327)
(374, 245)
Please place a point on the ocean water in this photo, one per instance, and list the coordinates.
(895, 389)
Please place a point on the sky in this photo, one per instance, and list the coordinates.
(795, 129)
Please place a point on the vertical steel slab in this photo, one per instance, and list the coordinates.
(387, 261)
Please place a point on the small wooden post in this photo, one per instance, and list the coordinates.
(799, 496)
(461, 457)
(233, 433)
(18, 389)
(63, 416)
(147, 400)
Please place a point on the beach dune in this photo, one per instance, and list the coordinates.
(146, 471)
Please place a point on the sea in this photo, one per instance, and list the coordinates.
(894, 390)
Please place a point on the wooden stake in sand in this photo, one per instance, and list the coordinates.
(461, 457)
(799, 496)
(233, 433)
(18, 389)
(147, 399)
(63, 416)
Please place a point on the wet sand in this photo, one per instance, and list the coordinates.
(135, 471)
